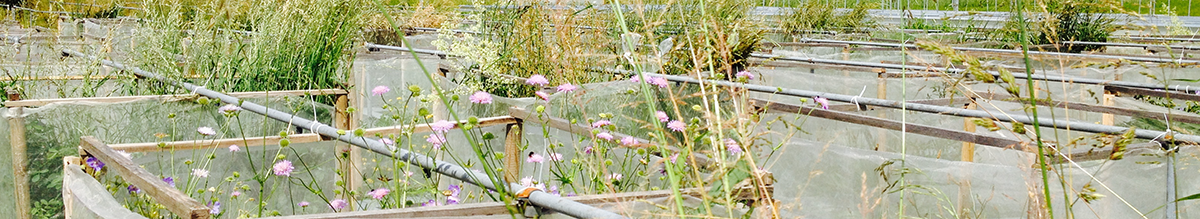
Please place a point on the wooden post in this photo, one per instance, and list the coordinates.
(968, 149)
(512, 152)
(846, 57)
(348, 154)
(68, 197)
(880, 135)
(1108, 118)
(16, 128)
(968, 155)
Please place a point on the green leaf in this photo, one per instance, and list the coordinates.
(1187, 80)
(1190, 197)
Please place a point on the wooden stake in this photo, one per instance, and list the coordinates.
(1108, 118)
(881, 135)
(968, 149)
(348, 155)
(512, 152)
(16, 128)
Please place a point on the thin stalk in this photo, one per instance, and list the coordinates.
(1037, 130)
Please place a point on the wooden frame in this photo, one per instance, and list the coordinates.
(176, 97)
(174, 200)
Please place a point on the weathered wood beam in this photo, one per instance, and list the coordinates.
(174, 200)
(175, 97)
(1125, 91)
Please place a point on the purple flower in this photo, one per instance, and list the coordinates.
(605, 136)
(431, 203)
(661, 82)
(566, 87)
(629, 141)
(170, 181)
(283, 168)
(234, 148)
(379, 193)
(822, 101)
(200, 173)
(555, 156)
(745, 74)
(635, 79)
(481, 97)
(733, 146)
(534, 158)
(387, 141)
(674, 157)
(436, 139)
(615, 177)
(216, 208)
(537, 80)
(133, 189)
(527, 181)
(206, 131)
(338, 204)
(441, 126)
(552, 190)
(453, 198)
(95, 163)
(542, 95)
(601, 123)
(662, 116)
(235, 194)
(302, 204)
(380, 90)
(587, 150)
(229, 109)
(676, 125)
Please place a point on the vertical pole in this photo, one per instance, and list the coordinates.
(968, 155)
(881, 93)
(346, 166)
(968, 149)
(1107, 118)
(846, 57)
(68, 197)
(16, 126)
(512, 152)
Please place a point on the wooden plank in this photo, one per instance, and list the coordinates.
(892, 124)
(1125, 91)
(174, 97)
(347, 154)
(16, 128)
(175, 201)
(1088, 154)
(580, 129)
(1097, 108)
(512, 152)
(483, 122)
(93, 197)
(968, 151)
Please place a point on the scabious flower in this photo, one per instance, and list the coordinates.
(453, 197)
(587, 150)
(206, 131)
(387, 141)
(431, 203)
(543, 95)
(635, 79)
(822, 101)
(200, 173)
(235, 194)
(283, 168)
(661, 82)
(338, 204)
(380, 90)
(95, 163)
(662, 116)
(629, 141)
(133, 189)
(229, 108)
(215, 208)
(553, 189)
(527, 181)
(601, 123)
(615, 177)
(481, 97)
(676, 125)
(379, 193)
(436, 139)
(537, 80)
(170, 181)
(674, 157)
(534, 158)
(605, 136)
(732, 146)
(302, 204)
(441, 126)
(234, 148)
(554, 157)
(566, 87)
(745, 74)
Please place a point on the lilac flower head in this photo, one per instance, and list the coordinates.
(133, 189)
(537, 80)
(635, 79)
(430, 203)
(605, 136)
(234, 148)
(95, 163)
(481, 97)
(601, 123)
(436, 140)
(387, 141)
(745, 74)
(587, 150)
(822, 101)
(615, 176)
(555, 157)
(535, 158)
(379, 193)
(552, 190)
(543, 95)
(441, 126)
(229, 108)
(452, 199)
(676, 125)
(200, 173)
(235, 194)
(302, 204)
(206, 131)
(674, 157)
(662, 116)
(380, 90)
(216, 208)
(338, 204)
(527, 181)
(566, 87)
(629, 141)
(661, 82)
(733, 146)
(170, 181)
(283, 168)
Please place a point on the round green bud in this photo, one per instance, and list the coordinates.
(283, 143)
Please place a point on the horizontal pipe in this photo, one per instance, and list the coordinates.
(406, 49)
(538, 197)
(1047, 122)
(971, 49)
(1132, 45)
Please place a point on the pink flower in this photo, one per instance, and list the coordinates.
(537, 80)
(605, 136)
(676, 125)
(535, 158)
(200, 173)
(206, 131)
(674, 157)
(527, 181)
(283, 168)
(387, 141)
(566, 87)
(380, 90)
(587, 150)
(229, 108)
(555, 157)
(339, 204)
(822, 101)
(662, 116)
(635, 79)
(615, 176)
(542, 95)
(601, 123)
(441, 126)
(436, 140)
(732, 146)
(379, 193)
(629, 141)
(481, 97)
(745, 74)
(661, 82)
(234, 148)
(302, 204)
(235, 194)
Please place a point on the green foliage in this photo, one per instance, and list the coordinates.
(821, 15)
(1076, 21)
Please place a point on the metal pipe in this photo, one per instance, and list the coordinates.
(997, 74)
(1054, 123)
(1101, 56)
(406, 49)
(1133, 45)
(538, 197)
